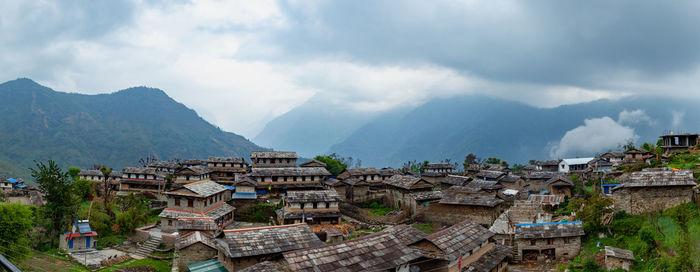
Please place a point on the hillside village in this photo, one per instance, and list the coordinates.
(627, 210)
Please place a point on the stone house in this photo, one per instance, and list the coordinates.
(190, 174)
(444, 168)
(96, 175)
(313, 163)
(455, 206)
(617, 258)
(165, 166)
(226, 170)
(513, 182)
(535, 181)
(574, 165)
(387, 172)
(241, 248)
(467, 246)
(386, 250)
(354, 190)
(479, 187)
(277, 181)
(601, 165)
(371, 175)
(273, 159)
(194, 247)
(653, 190)
(83, 237)
(454, 180)
(489, 175)
(5, 184)
(244, 192)
(560, 185)
(635, 155)
(678, 142)
(312, 207)
(422, 200)
(548, 241)
(142, 179)
(201, 201)
(547, 166)
(613, 157)
(400, 188)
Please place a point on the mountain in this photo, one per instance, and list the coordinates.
(488, 127)
(312, 128)
(115, 129)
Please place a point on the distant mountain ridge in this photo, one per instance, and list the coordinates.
(488, 127)
(115, 129)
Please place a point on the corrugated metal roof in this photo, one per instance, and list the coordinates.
(212, 265)
(577, 161)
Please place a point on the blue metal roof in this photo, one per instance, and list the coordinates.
(609, 185)
(12, 180)
(84, 227)
(244, 196)
(553, 223)
(230, 187)
(212, 265)
(20, 186)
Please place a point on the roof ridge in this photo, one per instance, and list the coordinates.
(266, 227)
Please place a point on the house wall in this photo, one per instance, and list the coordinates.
(401, 199)
(78, 242)
(612, 263)
(235, 264)
(453, 214)
(564, 248)
(274, 163)
(198, 204)
(194, 253)
(645, 199)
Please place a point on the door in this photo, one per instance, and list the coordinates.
(70, 243)
(87, 242)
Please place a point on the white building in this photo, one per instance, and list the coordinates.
(572, 165)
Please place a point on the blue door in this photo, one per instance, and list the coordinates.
(87, 242)
(70, 243)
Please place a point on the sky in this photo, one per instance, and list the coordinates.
(240, 64)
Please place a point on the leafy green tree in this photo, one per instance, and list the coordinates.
(682, 214)
(504, 163)
(493, 161)
(106, 186)
(16, 220)
(334, 165)
(61, 204)
(97, 214)
(590, 265)
(591, 211)
(83, 188)
(469, 160)
(73, 172)
(134, 214)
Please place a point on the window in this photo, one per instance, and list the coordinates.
(549, 241)
(187, 178)
(190, 203)
(211, 200)
(315, 205)
(170, 222)
(205, 203)
(177, 201)
(302, 206)
(328, 205)
(533, 242)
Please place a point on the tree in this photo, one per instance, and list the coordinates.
(469, 160)
(147, 161)
(83, 188)
(73, 172)
(591, 212)
(493, 161)
(16, 220)
(106, 186)
(135, 213)
(682, 214)
(627, 146)
(334, 165)
(61, 204)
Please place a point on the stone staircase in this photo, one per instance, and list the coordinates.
(148, 247)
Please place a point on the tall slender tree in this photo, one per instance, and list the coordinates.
(106, 187)
(61, 205)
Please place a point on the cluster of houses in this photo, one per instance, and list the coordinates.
(486, 217)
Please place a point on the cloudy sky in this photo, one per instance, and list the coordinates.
(241, 63)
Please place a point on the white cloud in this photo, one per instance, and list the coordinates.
(595, 135)
(634, 117)
(677, 118)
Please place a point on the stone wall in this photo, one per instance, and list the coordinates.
(564, 248)
(195, 253)
(453, 214)
(646, 199)
(140, 235)
(168, 241)
(612, 263)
